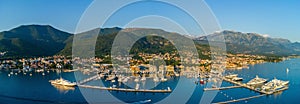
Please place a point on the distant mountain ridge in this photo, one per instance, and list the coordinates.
(44, 40)
(253, 43)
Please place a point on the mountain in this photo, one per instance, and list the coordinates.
(44, 40)
(252, 43)
(33, 40)
(148, 44)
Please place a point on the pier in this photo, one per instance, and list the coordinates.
(239, 84)
(221, 88)
(87, 80)
(241, 99)
(252, 88)
(81, 84)
(126, 90)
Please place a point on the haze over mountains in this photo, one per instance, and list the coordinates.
(44, 40)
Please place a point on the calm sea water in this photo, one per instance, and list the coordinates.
(20, 89)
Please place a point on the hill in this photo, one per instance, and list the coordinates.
(32, 40)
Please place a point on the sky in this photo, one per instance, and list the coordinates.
(275, 18)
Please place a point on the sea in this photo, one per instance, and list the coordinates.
(36, 89)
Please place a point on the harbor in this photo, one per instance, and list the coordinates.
(249, 85)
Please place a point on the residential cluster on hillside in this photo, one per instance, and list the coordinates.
(136, 62)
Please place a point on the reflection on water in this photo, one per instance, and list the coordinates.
(63, 89)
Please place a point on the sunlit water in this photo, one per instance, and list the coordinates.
(20, 89)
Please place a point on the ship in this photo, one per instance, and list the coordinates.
(256, 81)
(275, 84)
(62, 82)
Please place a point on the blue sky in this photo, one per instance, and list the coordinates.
(277, 18)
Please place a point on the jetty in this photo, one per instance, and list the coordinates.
(221, 88)
(243, 85)
(253, 88)
(82, 84)
(241, 99)
(126, 89)
(87, 80)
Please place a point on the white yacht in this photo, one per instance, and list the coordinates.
(275, 84)
(62, 82)
(256, 81)
(237, 79)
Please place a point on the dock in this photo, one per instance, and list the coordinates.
(239, 84)
(126, 90)
(241, 99)
(87, 80)
(252, 88)
(221, 88)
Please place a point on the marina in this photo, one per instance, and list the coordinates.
(276, 84)
(168, 90)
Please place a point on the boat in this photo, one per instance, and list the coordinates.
(256, 81)
(176, 74)
(201, 81)
(111, 77)
(142, 102)
(137, 86)
(125, 80)
(156, 79)
(143, 79)
(287, 70)
(62, 82)
(275, 84)
(237, 79)
(163, 79)
(136, 80)
(231, 76)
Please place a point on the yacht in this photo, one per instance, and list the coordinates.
(62, 82)
(256, 81)
(231, 76)
(237, 79)
(275, 84)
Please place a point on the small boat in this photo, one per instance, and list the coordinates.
(163, 79)
(8, 75)
(146, 101)
(156, 79)
(143, 79)
(111, 77)
(237, 79)
(113, 81)
(137, 86)
(136, 80)
(287, 70)
(62, 82)
(201, 81)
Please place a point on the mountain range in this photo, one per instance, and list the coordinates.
(44, 40)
